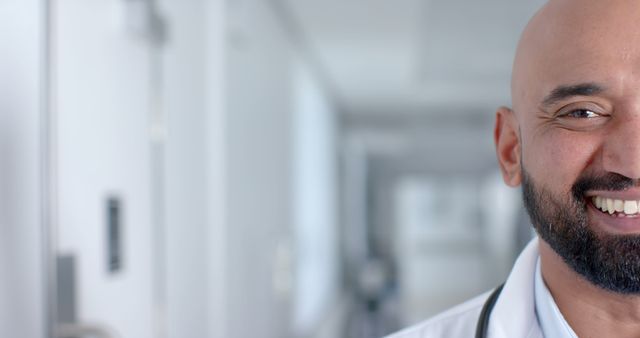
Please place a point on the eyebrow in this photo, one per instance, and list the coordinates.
(563, 92)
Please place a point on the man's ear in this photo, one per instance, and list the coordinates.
(508, 146)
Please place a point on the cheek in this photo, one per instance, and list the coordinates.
(556, 159)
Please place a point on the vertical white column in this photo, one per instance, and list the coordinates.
(216, 168)
(185, 57)
(22, 300)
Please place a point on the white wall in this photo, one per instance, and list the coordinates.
(22, 301)
(216, 183)
(184, 91)
(231, 152)
(258, 128)
(259, 136)
(281, 180)
(314, 202)
(190, 166)
(102, 87)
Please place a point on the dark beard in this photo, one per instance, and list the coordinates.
(611, 262)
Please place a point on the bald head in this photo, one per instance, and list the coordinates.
(577, 63)
(576, 41)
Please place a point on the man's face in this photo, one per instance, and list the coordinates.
(611, 261)
(573, 138)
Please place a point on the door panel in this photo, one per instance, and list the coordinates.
(102, 83)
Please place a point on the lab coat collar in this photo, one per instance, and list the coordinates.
(514, 313)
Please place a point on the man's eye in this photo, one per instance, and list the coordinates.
(582, 114)
(582, 119)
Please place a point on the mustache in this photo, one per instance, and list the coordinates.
(608, 181)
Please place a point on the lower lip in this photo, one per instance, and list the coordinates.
(612, 223)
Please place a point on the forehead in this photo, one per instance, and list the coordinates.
(598, 42)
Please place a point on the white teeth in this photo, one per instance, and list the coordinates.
(602, 203)
(610, 206)
(630, 207)
(615, 205)
(618, 205)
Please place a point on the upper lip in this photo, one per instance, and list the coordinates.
(631, 194)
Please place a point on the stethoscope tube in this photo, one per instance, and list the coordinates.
(483, 320)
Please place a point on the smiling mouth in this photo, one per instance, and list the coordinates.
(616, 207)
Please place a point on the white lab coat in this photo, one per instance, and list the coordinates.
(513, 315)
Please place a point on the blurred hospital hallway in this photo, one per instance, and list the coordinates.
(251, 168)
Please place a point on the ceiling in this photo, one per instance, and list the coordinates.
(414, 56)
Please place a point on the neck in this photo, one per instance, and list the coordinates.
(589, 310)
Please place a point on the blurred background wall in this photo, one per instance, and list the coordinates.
(245, 168)
(22, 253)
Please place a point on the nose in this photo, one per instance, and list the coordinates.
(621, 149)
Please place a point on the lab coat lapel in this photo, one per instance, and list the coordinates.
(514, 313)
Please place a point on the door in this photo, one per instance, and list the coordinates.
(102, 76)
